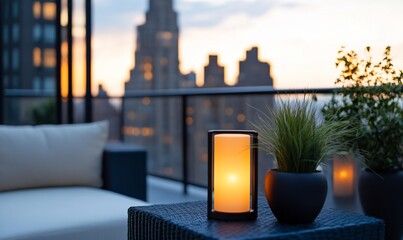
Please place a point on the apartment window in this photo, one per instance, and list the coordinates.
(5, 59)
(5, 34)
(49, 83)
(37, 32)
(36, 9)
(15, 82)
(5, 6)
(49, 57)
(15, 9)
(16, 59)
(49, 33)
(49, 10)
(16, 32)
(5, 81)
(36, 83)
(36, 57)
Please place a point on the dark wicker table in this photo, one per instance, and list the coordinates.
(189, 221)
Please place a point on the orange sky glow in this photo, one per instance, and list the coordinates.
(300, 42)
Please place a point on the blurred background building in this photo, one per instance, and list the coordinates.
(156, 123)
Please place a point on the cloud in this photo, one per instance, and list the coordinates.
(192, 13)
(290, 5)
(206, 13)
(109, 14)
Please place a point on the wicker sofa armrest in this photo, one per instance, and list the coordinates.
(125, 170)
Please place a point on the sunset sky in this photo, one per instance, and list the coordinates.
(299, 38)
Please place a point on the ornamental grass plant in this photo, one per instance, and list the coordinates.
(300, 141)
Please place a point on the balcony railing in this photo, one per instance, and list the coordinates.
(179, 154)
(186, 107)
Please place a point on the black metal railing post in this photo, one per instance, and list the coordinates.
(184, 145)
(2, 9)
(70, 106)
(88, 80)
(58, 47)
(122, 119)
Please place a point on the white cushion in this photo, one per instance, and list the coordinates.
(52, 155)
(64, 213)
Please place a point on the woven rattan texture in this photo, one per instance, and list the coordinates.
(189, 221)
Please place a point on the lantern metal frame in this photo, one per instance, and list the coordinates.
(252, 213)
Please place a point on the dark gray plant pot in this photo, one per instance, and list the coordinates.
(381, 196)
(295, 198)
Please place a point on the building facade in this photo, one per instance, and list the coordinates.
(156, 123)
(29, 54)
(29, 35)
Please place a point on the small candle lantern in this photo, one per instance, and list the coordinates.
(232, 177)
(344, 177)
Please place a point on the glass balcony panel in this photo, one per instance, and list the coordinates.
(108, 109)
(156, 123)
(221, 113)
(29, 110)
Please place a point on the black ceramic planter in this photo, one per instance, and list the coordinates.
(382, 197)
(295, 198)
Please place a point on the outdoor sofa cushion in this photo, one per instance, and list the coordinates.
(64, 213)
(52, 155)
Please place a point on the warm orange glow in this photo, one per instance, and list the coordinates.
(79, 67)
(147, 131)
(36, 9)
(343, 174)
(232, 173)
(49, 57)
(146, 101)
(64, 70)
(148, 76)
(229, 111)
(64, 19)
(79, 32)
(133, 131)
(36, 57)
(189, 120)
(136, 131)
(240, 118)
(165, 35)
(343, 177)
(147, 67)
(49, 10)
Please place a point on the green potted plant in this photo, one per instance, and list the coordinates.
(300, 141)
(371, 99)
(45, 112)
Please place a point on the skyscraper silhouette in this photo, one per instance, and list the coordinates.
(156, 57)
(253, 72)
(214, 73)
(156, 123)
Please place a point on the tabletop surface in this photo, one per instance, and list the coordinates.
(189, 221)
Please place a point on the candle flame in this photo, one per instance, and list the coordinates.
(232, 178)
(343, 174)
